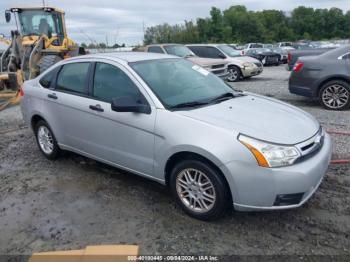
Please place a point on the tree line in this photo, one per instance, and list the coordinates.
(239, 25)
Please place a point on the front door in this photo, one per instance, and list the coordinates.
(123, 138)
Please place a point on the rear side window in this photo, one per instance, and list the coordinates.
(72, 77)
(111, 82)
(46, 80)
(155, 49)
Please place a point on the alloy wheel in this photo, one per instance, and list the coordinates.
(233, 75)
(45, 140)
(195, 190)
(335, 96)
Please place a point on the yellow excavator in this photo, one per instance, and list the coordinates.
(39, 41)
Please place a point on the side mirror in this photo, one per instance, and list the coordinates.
(221, 55)
(8, 16)
(130, 104)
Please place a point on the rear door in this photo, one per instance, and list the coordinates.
(347, 59)
(123, 138)
(69, 106)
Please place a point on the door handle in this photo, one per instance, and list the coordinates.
(96, 108)
(53, 96)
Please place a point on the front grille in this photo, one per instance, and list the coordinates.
(288, 199)
(271, 59)
(258, 64)
(218, 66)
(311, 146)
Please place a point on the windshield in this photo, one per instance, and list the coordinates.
(178, 50)
(179, 81)
(256, 46)
(37, 22)
(230, 51)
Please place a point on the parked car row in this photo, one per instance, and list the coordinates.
(220, 59)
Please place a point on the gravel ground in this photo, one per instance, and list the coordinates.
(74, 202)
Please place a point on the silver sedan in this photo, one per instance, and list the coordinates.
(167, 119)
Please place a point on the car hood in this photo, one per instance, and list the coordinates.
(205, 61)
(259, 117)
(247, 59)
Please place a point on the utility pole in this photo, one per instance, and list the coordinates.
(43, 3)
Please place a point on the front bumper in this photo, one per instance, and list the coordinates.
(255, 188)
(251, 71)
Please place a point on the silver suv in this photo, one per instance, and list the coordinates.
(239, 66)
(216, 66)
(167, 119)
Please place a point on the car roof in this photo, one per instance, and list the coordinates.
(203, 44)
(125, 57)
(165, 44)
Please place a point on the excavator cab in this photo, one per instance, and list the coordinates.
(35, 22)
(39, 42)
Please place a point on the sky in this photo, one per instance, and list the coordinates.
(120, 22)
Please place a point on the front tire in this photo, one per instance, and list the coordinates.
(234, 74)
(46, 140)
(199, 189)
(335, 95)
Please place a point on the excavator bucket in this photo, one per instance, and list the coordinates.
(9, 99)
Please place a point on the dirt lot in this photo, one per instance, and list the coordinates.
(74, 201)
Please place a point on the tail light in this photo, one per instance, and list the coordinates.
(21, 92)
(289, 57)
(298, 66)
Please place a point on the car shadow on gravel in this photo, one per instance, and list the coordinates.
(128, 179)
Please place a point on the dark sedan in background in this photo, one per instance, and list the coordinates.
(283, 53)
(326, 77)
(293, 55)
(265, 55)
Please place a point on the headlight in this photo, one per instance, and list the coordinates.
(248, 64)
(268, 154)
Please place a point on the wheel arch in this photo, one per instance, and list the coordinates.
(35, 119)
(186, 155)
(329, 79)
(235, 65)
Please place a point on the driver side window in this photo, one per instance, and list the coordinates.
(111, 82)
(212, 52)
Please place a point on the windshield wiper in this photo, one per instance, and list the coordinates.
(225, 96)
(190, 55)
(189, 104)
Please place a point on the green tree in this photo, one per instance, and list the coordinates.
(237, 24)
(303, 21)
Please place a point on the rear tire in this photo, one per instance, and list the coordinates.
(335, 95)
(200, 190)
(46, 140)
(47, 61)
